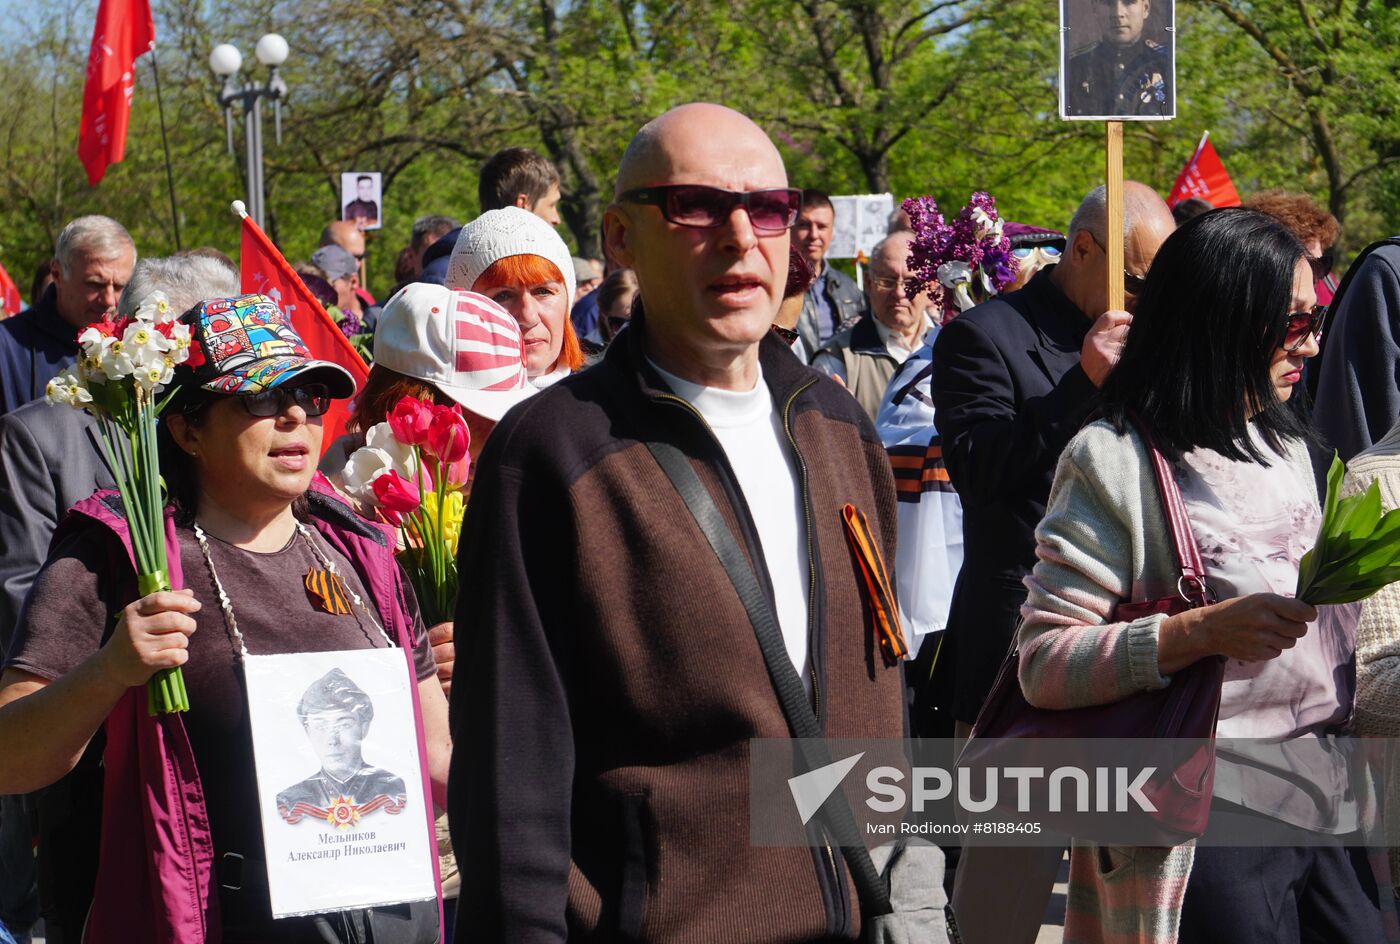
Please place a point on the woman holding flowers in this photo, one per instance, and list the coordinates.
(272, 562)
(1219, 338)
(519, 262)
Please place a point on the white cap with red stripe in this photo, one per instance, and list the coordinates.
(463, 343)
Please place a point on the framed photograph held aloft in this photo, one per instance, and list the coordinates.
(361, 198)
(1118, 60)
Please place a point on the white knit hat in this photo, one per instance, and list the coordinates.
(460, 342)
(499, 234)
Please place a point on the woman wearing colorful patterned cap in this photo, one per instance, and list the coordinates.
(274, 564)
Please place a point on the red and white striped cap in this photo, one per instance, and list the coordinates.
(463, 343)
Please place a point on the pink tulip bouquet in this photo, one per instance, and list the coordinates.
(412, 470)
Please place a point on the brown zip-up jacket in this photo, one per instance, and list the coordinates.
(609, 679)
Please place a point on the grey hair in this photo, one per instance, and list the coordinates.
(185, 280)
(1092, 215)
(433, 225)
(878, 250)
(94, 235)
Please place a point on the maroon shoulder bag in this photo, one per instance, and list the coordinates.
(1185, 711)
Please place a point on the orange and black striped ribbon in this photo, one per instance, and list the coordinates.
(884, 611)
(328, 592)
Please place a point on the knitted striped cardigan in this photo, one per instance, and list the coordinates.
(1103, 541)
(1378, 632)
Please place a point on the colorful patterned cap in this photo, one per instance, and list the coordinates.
(249, 345)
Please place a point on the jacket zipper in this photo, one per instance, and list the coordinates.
(838, 885)
(835, 908)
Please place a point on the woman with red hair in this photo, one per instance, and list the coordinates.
(518, 261)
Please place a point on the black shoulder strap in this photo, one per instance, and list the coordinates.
(802, 720)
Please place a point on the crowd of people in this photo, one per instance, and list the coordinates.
(717, 491)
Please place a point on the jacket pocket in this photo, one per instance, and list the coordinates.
(636, 867)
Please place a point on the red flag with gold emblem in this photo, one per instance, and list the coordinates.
(1204, 176)
(124, 31)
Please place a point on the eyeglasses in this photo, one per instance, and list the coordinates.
(770, 211)
(313, 398)
(1024, 252)
(886, 284)
(1302, 325)
(1322, 265)
(1132, 284)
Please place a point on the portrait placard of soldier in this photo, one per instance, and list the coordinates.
(360, 198)
(341, 796)
(336, 715)
(1118, 59)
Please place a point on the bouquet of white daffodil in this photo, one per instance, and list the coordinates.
(122, 368)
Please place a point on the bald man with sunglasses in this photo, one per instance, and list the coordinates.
(600, 777)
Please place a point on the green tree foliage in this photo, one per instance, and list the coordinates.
(942, 97)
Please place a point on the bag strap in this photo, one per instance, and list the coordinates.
(792, 696)
(1192, 583)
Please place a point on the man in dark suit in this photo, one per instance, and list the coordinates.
(1013, 380)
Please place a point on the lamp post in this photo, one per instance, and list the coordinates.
(226, 60)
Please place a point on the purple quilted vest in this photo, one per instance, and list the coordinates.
(155, 873)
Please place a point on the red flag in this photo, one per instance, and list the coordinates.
(9, 294)
(265, 272)
(1205, 176)
(124, 31)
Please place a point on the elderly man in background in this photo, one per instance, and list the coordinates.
(93, 258)
(620, 663)
(50, 459)
(866, 355)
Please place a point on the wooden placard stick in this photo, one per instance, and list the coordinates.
(1115, 237)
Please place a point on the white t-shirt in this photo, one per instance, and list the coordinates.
(749, 429)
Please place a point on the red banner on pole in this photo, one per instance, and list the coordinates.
(1204, 176)
(9, 294)
(124, 31)
(265, 272)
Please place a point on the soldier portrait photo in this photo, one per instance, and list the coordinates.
(1117, 59)
(336, 714)
(360, 199)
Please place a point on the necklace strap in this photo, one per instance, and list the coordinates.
(224, 603)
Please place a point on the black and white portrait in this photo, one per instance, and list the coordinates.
(336, 714)
(1117, 59)
(360, 199)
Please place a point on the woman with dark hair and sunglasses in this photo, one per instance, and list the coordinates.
(273, 563)
(1224, 323)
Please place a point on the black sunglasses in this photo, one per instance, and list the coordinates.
(1132, 284)
(1302, 325)
(313, 398)
(770, 211)
(1322, 265)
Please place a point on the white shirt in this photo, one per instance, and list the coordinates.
(751, 433)
(894, 341)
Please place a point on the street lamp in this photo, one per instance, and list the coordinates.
(225, 60)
